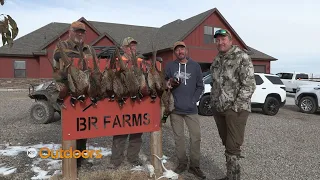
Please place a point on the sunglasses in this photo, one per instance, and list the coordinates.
(221, 32)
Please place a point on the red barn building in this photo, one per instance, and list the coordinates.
(31, 55)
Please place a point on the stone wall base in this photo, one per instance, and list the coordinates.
(20, 83)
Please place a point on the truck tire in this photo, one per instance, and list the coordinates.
(41, 112)
(271, 106)
(308, 105)
(205, 107)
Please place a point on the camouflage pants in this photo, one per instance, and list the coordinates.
(118, 147)
(231, 126)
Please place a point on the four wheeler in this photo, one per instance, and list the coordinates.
(43, 109)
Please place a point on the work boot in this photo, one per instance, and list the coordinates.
(233, 167)
(180, 168)
(136, 163)
(197, 171)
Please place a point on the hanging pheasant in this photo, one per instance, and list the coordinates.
(168, 100)
(119, 87)
(131, 81)
(107, 79)
(78, 80)
(94, 88)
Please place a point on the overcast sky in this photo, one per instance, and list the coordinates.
(285, 29)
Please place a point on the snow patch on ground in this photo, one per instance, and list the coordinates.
(4, 170)
(52, 166)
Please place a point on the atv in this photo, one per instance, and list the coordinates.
(45, 105)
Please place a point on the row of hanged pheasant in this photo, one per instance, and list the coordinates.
(117, 82)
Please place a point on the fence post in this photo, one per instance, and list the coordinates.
(69, 165)
(156, 149)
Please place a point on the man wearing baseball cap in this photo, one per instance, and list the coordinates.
(129, 46)
(74, 46)
(233, 85)
(186, 95)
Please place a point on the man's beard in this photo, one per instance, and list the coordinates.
(78, 40)
(181, 58)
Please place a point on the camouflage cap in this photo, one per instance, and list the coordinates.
(126, 41)
(222, 32)
(178, 43)
(78, 25)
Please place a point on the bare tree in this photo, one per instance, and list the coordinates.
(8, 28)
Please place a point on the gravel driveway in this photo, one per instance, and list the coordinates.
(285, 146)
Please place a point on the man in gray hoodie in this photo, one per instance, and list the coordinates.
(189, 75)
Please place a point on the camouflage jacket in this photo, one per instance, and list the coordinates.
(233, 81)
(73, 50)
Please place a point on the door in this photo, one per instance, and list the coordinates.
(259, 95)
(259, 68)
(286, 78)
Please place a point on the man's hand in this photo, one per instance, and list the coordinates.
(172, 82)
(168, 84)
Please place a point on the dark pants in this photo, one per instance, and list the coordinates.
(81, 146)
(231, 126)
(118, 147)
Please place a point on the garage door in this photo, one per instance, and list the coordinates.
(259, 68)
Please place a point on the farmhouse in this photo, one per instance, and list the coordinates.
(30, 55)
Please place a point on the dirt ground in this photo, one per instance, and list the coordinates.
(285, 146)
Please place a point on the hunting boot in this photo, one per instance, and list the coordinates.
(233, 167)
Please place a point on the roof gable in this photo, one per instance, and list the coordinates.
(164, 37)
(179, 29)
(82, 19)
(118, 32)
(102, 36)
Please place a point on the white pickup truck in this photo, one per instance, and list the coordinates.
(292, 80)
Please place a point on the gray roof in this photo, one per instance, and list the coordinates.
(120, 31)
(31, 43)
(258, 55)
(164, 37)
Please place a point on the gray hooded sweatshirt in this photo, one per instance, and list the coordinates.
(187, 94)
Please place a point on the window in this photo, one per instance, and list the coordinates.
(285, 75)
(274, 80)
(302, 76)
(258, 79)
(259, 68)
(19, 69)
(208, 34)
(207, 79)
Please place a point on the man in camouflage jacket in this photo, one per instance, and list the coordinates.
(233, 84)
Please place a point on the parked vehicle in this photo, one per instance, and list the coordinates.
(43, 109)
(307, 98)
(270, 95)
(292, 80)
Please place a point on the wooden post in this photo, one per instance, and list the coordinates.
(156, 148)
(69, 165)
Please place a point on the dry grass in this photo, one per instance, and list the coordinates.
(120, 174)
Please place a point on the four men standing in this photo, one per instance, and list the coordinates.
(233, 85)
